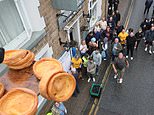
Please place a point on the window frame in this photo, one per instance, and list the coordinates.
(26, 35)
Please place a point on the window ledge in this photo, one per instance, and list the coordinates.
(36, 37)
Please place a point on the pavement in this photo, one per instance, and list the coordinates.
(135, 95)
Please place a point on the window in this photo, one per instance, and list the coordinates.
(93, 12)
(17, 23)
(11, 26)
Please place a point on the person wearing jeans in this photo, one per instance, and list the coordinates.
(149, 38)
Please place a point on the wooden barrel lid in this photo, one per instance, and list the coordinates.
(13, 56)
(19, 101)
(27, 62)
(46, 65)
(61, 87)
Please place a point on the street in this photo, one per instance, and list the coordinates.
(135, 95)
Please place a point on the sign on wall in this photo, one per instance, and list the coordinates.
(65, 60)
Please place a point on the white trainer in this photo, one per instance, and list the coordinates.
(150, 52)
(127, 57)
(89, 80)
(93, 79)
(131, 58)
(120, 80)
(115, 76)
(153, 52)
(145, 49)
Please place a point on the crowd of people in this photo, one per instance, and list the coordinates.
(109, 40)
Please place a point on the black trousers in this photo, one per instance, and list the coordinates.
(146, 10)
(116, 7)
(138, 42)
(131, 49)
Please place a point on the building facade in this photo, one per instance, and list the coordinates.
(39, 25)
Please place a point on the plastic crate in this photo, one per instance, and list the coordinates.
(95, 90)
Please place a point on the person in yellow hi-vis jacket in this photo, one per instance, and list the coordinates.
(122, 35)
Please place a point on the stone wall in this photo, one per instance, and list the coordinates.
(52, 32)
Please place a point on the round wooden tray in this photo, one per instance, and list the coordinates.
(58, 86)
(46, 66)
(13, 56)
(19, 101)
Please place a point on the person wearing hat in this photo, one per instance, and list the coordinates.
(91, 69)
(92, 45)
(139, 36)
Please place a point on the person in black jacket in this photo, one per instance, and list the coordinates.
(149, 37)
(138, 36)
(118, 16)
(116, 3)
(119, 28)
(145, 25)
(130, 42)
(148, 4)
(110, 10)
(111, 23)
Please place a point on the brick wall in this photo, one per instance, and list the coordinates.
(52, 32)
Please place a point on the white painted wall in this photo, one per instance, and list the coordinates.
(76, 32)
(36, 21)
(99, 9)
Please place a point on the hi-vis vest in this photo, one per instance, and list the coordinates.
(85, 61)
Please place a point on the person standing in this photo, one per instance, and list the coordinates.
(104, 49)
(119, 28)
(130, 42)
(110, 10)
(97, 59)
(116, 4)
(116, 48)
(148, 4)
(139, 36)
(103, 24)
(149, 38)
(77, 62)
(122, 35)
(107, 33)
(83, 48)
(59, 109)
(119, 65)
(91, 69)
(84, 64)
(111, 23)
(75, 74)
(118, 16)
